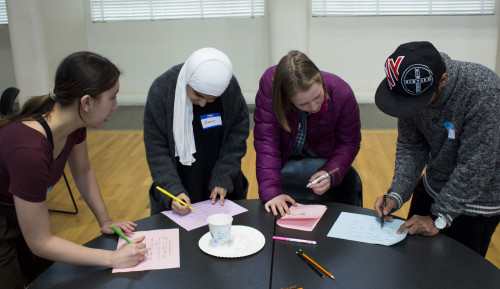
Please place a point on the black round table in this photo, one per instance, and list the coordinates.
(416, 262)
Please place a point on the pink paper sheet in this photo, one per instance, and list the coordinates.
(198, 217)
(163, 247)
(302, 217)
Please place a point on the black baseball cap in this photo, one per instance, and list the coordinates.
(413, 73)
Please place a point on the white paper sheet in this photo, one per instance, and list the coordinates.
(366, 229)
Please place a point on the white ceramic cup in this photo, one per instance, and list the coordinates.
(220, 229)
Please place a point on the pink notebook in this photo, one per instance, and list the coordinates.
(302, 217)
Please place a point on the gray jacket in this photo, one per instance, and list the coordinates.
(461, 174)
(159, 138)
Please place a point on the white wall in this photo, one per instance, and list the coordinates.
(288, 24)
(355, 48)
(7, 77)
(144, 50)
(41, 35)
(63, 29)
(29, 54)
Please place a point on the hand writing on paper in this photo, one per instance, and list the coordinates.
(180, 208)
(419, 225)
(280, 203)
(129, 255)
(218, 191)
(322, 186)
(124, 226)
(390, 205)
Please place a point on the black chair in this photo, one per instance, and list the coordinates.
(75, 211)
(6, 105)
(295, 176)
(7, 100)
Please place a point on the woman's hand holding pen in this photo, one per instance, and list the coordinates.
(129, 255)
(180, 208)
(390, 205)
(125, 226)
(322, 186)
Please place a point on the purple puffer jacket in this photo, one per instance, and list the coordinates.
(334, 132)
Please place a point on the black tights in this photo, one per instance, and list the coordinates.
(18, 266)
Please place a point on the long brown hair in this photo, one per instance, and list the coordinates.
(79, 74)
(295, 73)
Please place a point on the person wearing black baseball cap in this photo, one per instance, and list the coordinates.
(449, 125)
(414, 72)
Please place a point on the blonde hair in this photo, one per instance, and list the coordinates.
(295, 73)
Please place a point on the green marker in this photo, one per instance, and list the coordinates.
(120, 234)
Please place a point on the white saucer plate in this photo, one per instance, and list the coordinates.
(244, 241)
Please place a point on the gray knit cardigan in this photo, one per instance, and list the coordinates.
(159, 138)
(462, 174)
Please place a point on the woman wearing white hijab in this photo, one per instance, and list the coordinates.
(195, 131)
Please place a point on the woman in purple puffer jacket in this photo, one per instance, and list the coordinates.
(302, 112)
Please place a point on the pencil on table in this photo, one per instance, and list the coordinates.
(316, 264)
(316, 269)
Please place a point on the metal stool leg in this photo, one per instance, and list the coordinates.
(72, 199)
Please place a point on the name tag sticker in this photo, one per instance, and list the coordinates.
(211, 120)
(451, 129)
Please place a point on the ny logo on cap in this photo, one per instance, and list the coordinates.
(392, 70)
(416, 79)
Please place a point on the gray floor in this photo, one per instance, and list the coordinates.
(130, 118)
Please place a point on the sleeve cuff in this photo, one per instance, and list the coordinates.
(396, 198)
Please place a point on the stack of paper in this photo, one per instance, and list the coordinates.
(302, 217)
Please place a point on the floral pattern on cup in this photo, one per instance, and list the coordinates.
(220, 229)
(220, 239)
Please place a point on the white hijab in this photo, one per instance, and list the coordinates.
(207, 71)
